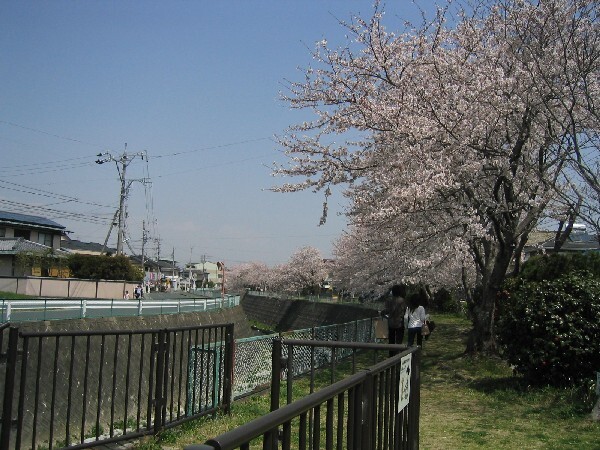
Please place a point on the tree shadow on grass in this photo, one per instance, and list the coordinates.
(491, 385)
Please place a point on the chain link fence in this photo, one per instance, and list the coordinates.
(252, 366)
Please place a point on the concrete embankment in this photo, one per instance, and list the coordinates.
(284, 315)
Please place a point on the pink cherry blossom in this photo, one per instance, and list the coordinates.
(451, 140)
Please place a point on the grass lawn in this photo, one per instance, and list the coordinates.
(466, 403)
(475, 402)
(12, 296)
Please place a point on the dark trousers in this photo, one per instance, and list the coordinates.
(412, 332)
(395, 336)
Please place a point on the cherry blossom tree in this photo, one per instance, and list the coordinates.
(254, 275)
(367, 261)
(447, 140)
(304, 272)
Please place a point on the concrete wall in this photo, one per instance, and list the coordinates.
(284, 315)
(66, 287)
(234, 315)
(6, 267)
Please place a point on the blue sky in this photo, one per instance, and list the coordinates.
(195, 84)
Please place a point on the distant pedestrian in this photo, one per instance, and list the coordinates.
(126, 296)
(395, 307)
(415, 318)
(137, 292)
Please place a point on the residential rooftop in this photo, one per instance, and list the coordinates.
(11, 218)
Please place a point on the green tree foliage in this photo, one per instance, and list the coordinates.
(444, 301)
(48, 263)
(549, 321)
(103, 268)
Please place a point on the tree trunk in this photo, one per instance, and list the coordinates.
(482, 337)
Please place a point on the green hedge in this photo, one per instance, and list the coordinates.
(556, 265)
(550, 330)
(103, 268)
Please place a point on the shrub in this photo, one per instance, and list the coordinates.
(550, 267)
(550, 330)
(444, 301)
(103, 268)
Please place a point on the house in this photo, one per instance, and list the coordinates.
(85, 248)
(579, 241)
(24, 234)
(159, 276)
(204, 274)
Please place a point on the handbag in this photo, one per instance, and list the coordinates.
(425, 330)
(381, 328)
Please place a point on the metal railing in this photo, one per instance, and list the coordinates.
(373, 409)
(23, 310)
(79, 389)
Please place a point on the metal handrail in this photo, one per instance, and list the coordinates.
(46, 308)
(262, 426)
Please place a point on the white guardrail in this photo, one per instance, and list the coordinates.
(55, 309)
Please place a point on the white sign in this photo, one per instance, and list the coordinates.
(404, 386)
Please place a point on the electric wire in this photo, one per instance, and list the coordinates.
(19, 173)
(48, 194)
(54, 213)
(47, 133)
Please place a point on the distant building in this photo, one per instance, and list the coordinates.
(203, 273)
(22, 233)
(579, 241)
(85, 248)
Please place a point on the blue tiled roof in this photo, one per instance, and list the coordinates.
(27, 219)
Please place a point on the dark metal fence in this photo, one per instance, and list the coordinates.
(79, 389)
(376, 408)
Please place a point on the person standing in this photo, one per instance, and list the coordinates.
(395, 306)
(126, 296)
(415, 318)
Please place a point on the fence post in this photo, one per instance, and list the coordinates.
(229, 367)
(368, 412)
(290, 373)
(8, 310)
(9, 386)
(275, 373)
(414, 403)
(159, 391)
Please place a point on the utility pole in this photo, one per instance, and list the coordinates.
(121, 162)
(144, 237)
(203, 273)
(158, 259)
(173, 281)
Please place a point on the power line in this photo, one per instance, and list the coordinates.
(54, 213)
(209, 148)
(12, 124)
(46, 164)
(20, 173)
(205, 167)
(42, 193)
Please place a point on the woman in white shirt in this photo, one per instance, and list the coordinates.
(415, 319)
